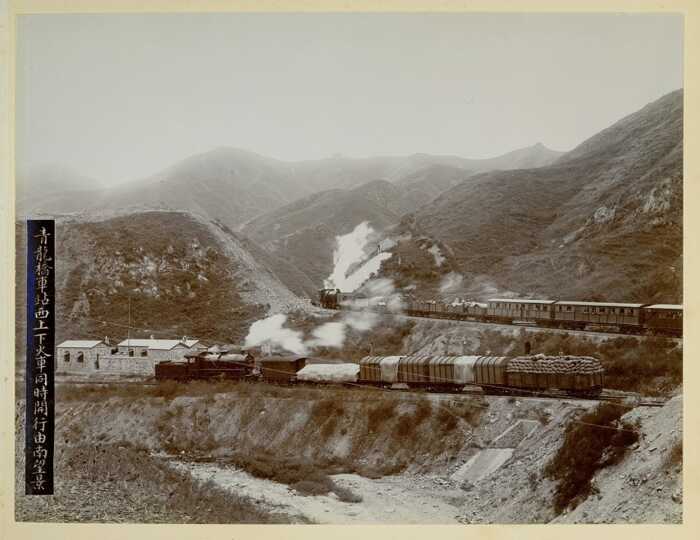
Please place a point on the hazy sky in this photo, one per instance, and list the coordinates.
(119, 97)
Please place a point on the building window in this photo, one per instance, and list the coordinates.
(144, 352)
(131, 352)
(115, 350)
(81, 357)
(66, 356)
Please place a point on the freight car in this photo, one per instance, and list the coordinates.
(206, 365)
(340, 374)
(531, 374)
(626, 318)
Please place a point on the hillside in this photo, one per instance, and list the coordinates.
(603, 222)
(183, 276)
(232, 185)
(304, 232)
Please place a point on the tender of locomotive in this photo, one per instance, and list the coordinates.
(281, 369)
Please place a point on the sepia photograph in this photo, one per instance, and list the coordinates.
(419, 268)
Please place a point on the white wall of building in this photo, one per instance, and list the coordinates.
(69, 359)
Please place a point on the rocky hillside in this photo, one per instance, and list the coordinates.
(603, 222)
(406, 458)
(181, 276)
(304, 232)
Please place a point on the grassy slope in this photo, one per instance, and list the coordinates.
(169, 265)
(604, 220)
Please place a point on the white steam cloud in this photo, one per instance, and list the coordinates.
(356, 257)
(271, 331)
(377, 293)
(330, 334)
(353, 262)
(437, 255)
(451, 282)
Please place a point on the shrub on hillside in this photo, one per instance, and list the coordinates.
(302, 475)
(379, 413)
(596, 440)
(177, 495)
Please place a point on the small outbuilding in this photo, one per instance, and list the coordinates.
(80, 356)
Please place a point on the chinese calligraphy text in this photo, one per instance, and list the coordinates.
(39, 428)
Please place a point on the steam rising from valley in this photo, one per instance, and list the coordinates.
(353, 259)
(354, 263)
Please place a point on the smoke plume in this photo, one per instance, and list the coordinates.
(354, 260)
(272, 331)
(451, 282)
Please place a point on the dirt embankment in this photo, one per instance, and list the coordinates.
(402, 458)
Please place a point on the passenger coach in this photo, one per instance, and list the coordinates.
(664, 319)
(579, 315)
(513, 310)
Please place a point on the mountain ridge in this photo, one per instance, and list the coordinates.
(234, 185)
(604, 221)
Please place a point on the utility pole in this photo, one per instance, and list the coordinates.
(128, 330)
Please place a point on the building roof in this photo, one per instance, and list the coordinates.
(666, 306)
(599, 304)
(81, 344)
(158, 344)
(520, 301)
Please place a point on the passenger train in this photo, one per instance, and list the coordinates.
(625, 318)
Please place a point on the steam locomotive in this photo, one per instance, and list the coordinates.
(625, 318)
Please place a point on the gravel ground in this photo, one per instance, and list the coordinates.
(393, 499)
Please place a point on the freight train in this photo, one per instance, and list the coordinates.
(524, 375)
(624, 318)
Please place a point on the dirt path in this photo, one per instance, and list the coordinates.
(396, 499)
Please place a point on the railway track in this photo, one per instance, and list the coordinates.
(527, 328)
(534, 329)
(610, 396)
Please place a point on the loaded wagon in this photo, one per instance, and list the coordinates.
(346, 373)
(451, 373)
(379, 370)
(414, 371)
(576, 375)
(490, 373)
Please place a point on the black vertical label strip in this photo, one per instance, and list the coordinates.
(41, 350)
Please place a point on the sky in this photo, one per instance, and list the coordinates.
(121, 97)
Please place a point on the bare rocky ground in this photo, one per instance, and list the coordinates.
(400, 499)
(640, 489)
(451, 466)
(433, 336)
